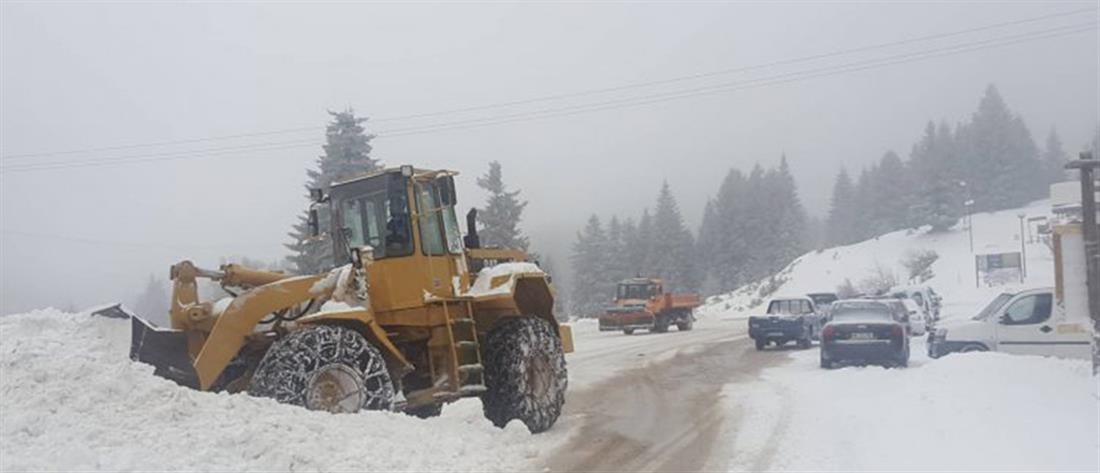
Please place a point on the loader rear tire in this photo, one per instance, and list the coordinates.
(325, 368)
(525, 374)
(426, 412)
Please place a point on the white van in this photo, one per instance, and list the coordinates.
(1025, 323)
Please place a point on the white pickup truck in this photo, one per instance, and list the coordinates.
(1043, 321)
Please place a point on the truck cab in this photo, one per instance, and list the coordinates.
(642, 303)
(787, 319)
(1026, 322)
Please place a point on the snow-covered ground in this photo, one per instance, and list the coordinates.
(972, 412)
(823, 271)
(70, 399)
(987, 411)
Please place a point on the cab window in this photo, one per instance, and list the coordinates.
(430, 219)
(379, 217)
(1028, 310)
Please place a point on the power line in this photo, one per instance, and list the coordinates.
(90, 241)
(174, 156)
(736, 70)
(164, 143)
(142, 157)
(766, 81)
(568, 95)
(637, 101)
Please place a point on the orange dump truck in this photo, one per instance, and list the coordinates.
(642, 303)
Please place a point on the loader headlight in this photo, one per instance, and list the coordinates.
(406, 170)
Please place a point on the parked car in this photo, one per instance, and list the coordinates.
(908, 312)
(918, 319)
(1026, 322)
(924, 296)
(788, 319)
(864, 331)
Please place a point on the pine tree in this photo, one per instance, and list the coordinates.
(839, 227)
(346, 154)
(673, 245)
(707, 247)
(641, 248)
(789, 232)
(1000, 160)
(500, 217)
(592, 289)
(940, 193)
(618, 268)
(1055, 158)
(892, 193)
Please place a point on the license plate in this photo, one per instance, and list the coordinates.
(863, 336)
(775, 334)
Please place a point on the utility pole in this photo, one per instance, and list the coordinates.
(969, 221)
(1086, 165)
(1023, 249)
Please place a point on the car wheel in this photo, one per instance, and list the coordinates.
(973, 347)
(826, 364)
(628, 331)
(760, 344)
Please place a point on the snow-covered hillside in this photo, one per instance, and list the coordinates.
(70, 399)
(825, 270)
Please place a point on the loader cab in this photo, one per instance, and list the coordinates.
(405, 217)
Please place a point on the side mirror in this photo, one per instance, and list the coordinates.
(317, 195)
(314, 223)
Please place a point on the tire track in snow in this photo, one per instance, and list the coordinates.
(664, 415)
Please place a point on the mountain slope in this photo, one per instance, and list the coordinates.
(954, 278)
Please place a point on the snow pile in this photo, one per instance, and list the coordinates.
(491, 281)
(973, 412)
(70, 399)
(825, 270)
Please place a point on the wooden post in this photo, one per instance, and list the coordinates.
(1086, 165)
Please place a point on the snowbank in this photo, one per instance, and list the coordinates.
(973, 412)
(70, 399)
(823, 271)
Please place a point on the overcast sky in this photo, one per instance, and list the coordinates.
(78, 77)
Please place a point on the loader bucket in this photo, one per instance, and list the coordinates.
(113, 311)
(165, 349)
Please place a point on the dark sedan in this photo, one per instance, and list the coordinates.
(864, 332)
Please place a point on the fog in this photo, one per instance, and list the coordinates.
(86, 77)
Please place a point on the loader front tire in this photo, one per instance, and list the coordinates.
(525, 374)
(325, 368)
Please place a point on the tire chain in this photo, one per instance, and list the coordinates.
(285, 370)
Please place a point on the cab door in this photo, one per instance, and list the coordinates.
(1026, 327)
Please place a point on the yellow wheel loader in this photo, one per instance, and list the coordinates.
(413, 315)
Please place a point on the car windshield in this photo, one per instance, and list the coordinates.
(637, 291)
(859, 305)
(863, 314)
(993, 306)
(790, 307)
